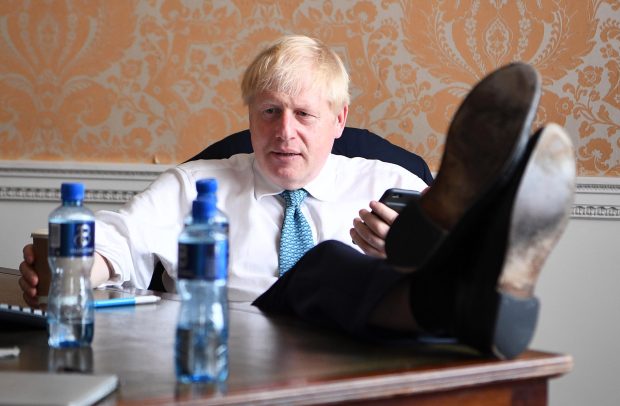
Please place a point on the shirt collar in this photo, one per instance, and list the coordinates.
(321, 188)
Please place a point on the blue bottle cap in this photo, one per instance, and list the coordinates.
(203, 209)
(72, 191)
(204, 186)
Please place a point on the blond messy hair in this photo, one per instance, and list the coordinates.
(284, 67)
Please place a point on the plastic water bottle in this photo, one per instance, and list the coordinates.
(201, 349)
(207, 189)
(70, 312)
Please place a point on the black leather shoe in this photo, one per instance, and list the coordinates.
(485, 142)
(483, 275)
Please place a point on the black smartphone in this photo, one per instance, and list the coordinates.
(397, 199)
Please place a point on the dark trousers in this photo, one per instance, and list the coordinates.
(333, 285)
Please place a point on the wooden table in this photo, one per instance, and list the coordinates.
(283, 361)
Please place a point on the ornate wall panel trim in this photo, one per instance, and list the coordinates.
(598, 188)
(53, 194)
(596, 212)
(25, 169)
(595, 198)
(105, 183)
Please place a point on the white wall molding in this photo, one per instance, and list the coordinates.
(53, 195)
(30, 190)
(597, 198)
(105, 183)
(597, 185)
(47, 169)
(81, 172)
(596, 212)
(599, 188)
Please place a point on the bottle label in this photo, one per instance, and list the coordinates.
(75, 239)
(208, 261)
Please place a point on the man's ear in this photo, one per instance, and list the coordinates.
(341, 120)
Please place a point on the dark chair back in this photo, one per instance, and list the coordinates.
(354, 142)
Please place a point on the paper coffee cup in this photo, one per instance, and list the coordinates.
(41, 266)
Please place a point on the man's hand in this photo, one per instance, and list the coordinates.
(371, 227)
(29, 279)
(100, 273)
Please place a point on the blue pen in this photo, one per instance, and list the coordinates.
(126, 301)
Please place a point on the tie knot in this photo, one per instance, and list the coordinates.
(293, 198)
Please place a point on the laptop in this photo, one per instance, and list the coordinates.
(54, 389)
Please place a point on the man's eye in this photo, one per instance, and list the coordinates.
(271, 112)
(304, 114)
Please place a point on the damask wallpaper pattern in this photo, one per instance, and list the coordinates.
(158, 80)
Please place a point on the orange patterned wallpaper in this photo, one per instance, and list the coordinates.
(158, 80)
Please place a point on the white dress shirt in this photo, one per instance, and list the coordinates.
(146, 229)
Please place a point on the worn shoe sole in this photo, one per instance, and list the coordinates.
(497, 310)
(485, 143)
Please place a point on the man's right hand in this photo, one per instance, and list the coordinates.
(29, 279)
(100, 273)
(371, 227)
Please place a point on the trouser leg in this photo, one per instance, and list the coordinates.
(333, 285)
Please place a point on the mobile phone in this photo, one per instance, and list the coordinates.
(397, 199)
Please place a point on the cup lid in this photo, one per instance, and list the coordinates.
(39, 233)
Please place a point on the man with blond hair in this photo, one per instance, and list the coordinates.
(297, 95)
(461, 262)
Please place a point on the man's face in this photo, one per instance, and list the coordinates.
(292, 137)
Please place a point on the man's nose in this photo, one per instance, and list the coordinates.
(287, 126)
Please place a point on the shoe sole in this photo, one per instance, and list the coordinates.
(539, 218)
(496, 309)
(487, 136)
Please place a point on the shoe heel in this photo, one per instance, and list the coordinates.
(515, 325)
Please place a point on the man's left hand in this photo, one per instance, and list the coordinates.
(371, 227)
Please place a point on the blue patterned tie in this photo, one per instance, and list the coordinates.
(296, 237)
